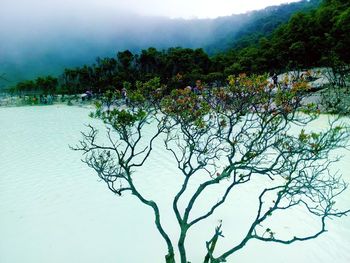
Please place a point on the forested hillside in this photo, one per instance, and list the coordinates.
(317, 37)
(37, 48)
(262, 23)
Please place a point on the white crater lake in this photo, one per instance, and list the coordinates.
(53, 208)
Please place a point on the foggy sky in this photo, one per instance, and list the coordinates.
(24, 18)
(20, 9)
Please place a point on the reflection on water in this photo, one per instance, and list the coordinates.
(54, 209)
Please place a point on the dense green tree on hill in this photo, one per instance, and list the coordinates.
(47, 84)
(151, 60)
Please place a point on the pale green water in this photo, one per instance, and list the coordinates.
(54, 209)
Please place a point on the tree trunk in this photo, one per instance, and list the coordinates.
(181, 246)
(170, 258)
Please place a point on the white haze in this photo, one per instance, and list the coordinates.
(168, 8)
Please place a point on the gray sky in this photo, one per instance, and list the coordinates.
(168, 8)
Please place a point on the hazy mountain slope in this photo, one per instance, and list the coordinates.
(35, 45)
(261, 23)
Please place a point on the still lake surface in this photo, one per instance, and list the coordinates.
(53, 208)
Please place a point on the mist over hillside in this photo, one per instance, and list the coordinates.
(44, 43)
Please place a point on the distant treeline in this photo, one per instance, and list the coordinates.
(315, 38)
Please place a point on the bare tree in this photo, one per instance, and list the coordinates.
(231, 134)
